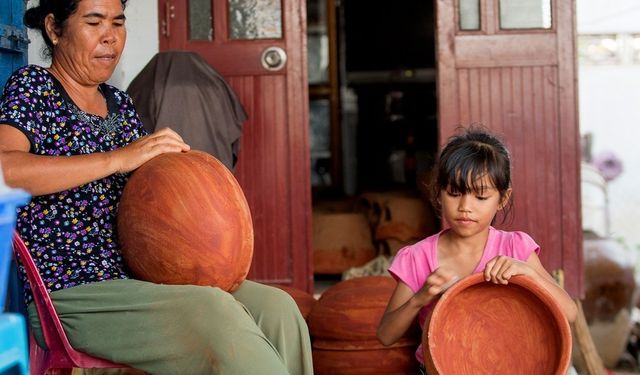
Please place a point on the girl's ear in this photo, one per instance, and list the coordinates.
(505, 199)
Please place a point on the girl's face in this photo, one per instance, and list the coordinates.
(472, 213)
(92, 41)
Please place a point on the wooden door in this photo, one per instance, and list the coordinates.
(13, 54)
(510, 65)
(13, 38)
(259, 47)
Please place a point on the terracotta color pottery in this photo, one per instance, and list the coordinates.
(341, 240)
(351, 309)
(397, 360)
(183, 219)
(405, 219)
(343, 328)
(479, 328)
(304, 300)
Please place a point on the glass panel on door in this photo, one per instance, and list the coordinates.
(525, 14)
(320, 142)
(255, 19)
(469, 15)
(200, 20)
(317, 42)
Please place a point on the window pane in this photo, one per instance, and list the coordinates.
(469, 14)
(525, 14)
(599, 49)
(317, 42)
(319, 142)
(255, 19)
(635, 47)
(200, 20)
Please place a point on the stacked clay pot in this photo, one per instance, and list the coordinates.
(343, 328)
(183, 219)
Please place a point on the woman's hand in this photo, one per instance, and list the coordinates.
(435, 284)
(144, 149)
(501, 268)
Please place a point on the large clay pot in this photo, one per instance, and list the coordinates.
(304, 300)
(478, 327)
(183, 219)
(341, 240)
(609, 284)
(343, 326)
(405, 219)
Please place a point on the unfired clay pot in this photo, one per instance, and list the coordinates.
(183, 219)
(478, 327)
(343, 328)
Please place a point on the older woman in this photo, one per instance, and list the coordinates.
(71, 140)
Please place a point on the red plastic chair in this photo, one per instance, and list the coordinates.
(60, 358)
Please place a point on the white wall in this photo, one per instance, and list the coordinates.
(142, 41)
(609, 105)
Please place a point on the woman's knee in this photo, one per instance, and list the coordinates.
(199, 303)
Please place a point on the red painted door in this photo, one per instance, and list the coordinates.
(510, 65)
(259, 47)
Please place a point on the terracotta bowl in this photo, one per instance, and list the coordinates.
(183, 219)
(479, 327)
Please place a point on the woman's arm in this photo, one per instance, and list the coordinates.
(500, 269)
(404, 306)
(42, 175)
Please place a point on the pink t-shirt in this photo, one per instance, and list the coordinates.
(413, 264)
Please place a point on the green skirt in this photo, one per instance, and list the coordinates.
(185, 329)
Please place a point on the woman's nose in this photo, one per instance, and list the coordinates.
(109, 36)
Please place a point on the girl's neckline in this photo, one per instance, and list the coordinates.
(103, 88)
(484, 250)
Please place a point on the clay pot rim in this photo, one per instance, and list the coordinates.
(523, 281)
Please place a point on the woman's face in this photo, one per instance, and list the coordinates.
(90, 45)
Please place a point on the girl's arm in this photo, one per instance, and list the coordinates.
(500, 269)
(42, 175)
(404, 305)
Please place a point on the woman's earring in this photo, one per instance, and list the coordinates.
(55, 42)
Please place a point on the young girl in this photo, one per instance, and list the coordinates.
(472, 183)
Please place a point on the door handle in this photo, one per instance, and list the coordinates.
(273, 58)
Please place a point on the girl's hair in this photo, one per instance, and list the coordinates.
(61, 10)
(465, 159)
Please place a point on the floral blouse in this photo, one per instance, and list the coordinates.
(72, 234)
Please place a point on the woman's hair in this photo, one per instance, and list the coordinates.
(61, 10)
(465, 159)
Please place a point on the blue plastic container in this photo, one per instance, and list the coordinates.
(10, 199)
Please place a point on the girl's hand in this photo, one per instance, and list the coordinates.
(435, 284)
(500, 269)
(144, 149)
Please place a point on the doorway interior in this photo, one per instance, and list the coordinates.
(373, 119)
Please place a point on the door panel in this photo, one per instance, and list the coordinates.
(521, 84)
(13, 38)
(273, 165)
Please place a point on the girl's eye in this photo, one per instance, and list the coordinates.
(482, 198)
(452, 194)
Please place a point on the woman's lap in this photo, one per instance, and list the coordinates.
(172, 329)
